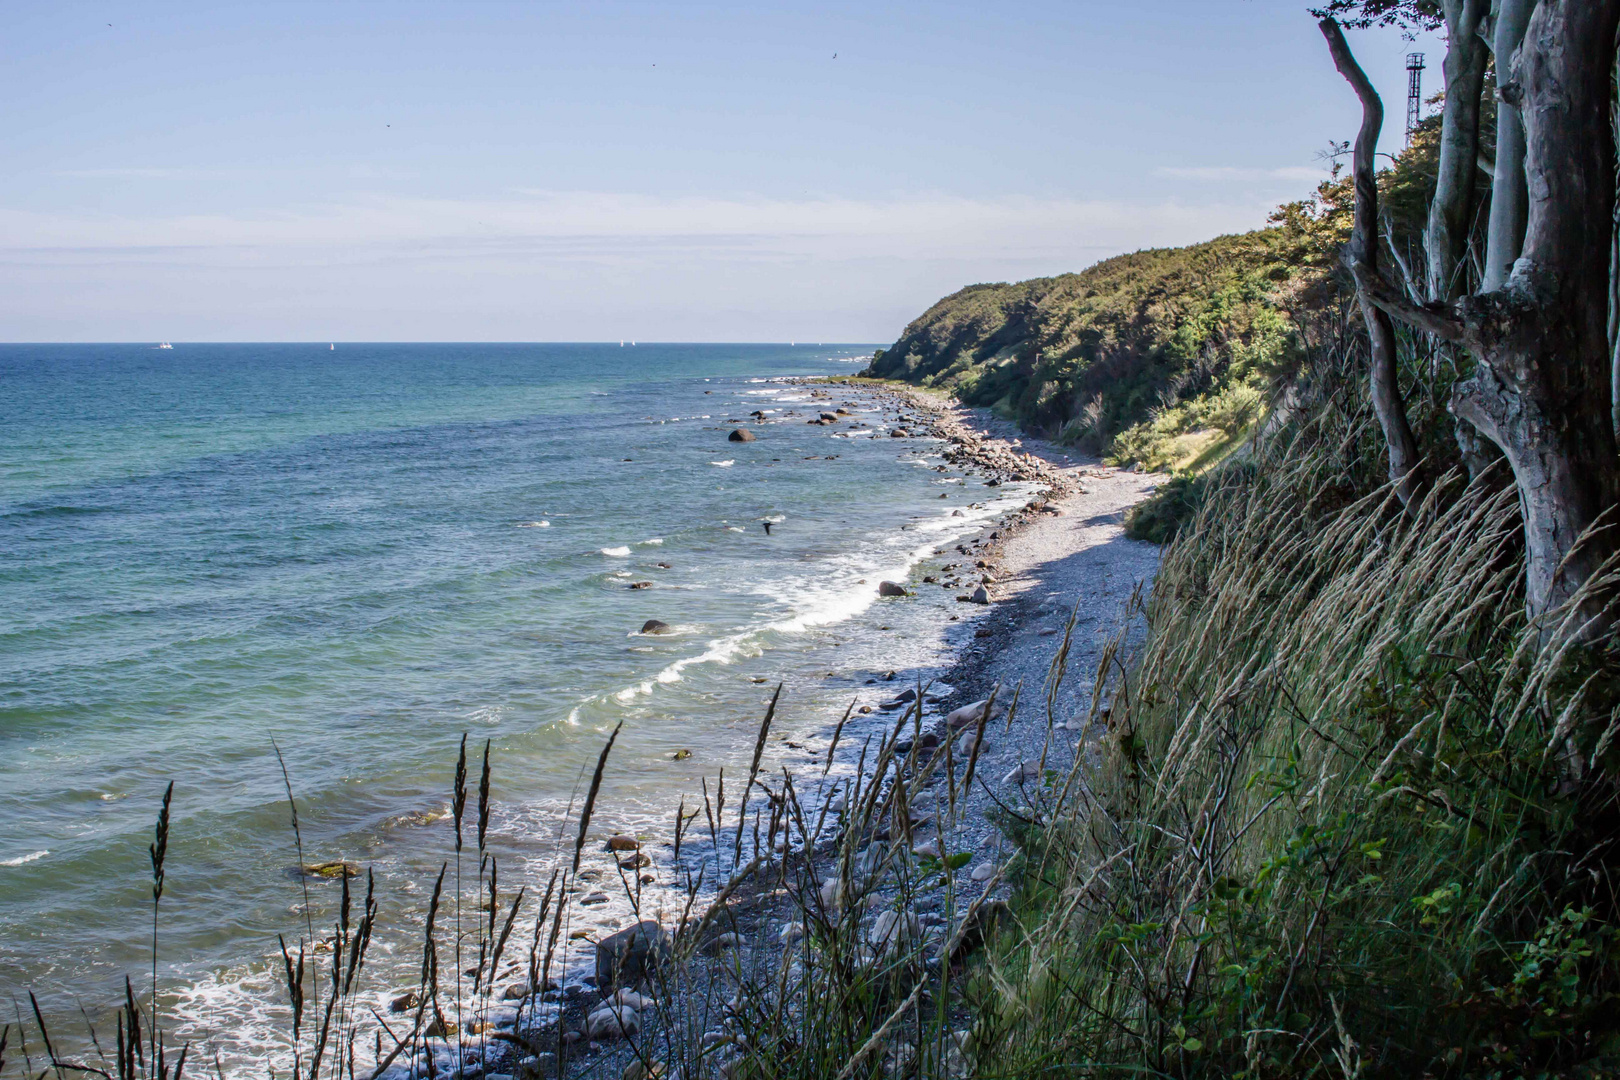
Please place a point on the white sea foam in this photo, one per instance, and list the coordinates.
(21, 859)
(831, 595)
(617, 552)
(654, 542)
(534, 525)
(724, 464)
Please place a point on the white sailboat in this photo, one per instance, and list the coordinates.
(165, 345)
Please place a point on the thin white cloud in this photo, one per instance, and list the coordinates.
(615, 225)
(121, 173)
(549, 265)
(1295, 174)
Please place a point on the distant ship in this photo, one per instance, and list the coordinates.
(165, 345)
(332, 347)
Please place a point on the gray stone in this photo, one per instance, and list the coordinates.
(629, 956)
(740, 435)
(655, 626)
(891, 588)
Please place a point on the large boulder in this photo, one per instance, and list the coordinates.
(741, 435)
(612, 1021)
(969, 714)
(655, 626)
(891, 588)
(629, 957)
(981, 595)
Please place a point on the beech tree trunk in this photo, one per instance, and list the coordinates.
(1541, 388)
(1510, 202)
(1451, 212)
(1386, 389)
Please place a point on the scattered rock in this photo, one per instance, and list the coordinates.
(612, 1022)
(332, 871)
(622, 842)
(631, 955)
(405, 1002)
(680, 755)
(515, 992)
(927, 850)
(635, 862)
(899, 433)
(639, 585)
(984, 871)
(655, 626)
(1025, 770)
(891, 588)
(981, 595)
(641, 1070)
(892, 928)
(969, 714)
(638, 1002)
(598, 897)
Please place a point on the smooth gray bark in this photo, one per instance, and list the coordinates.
(1614, 277)
(1541, 343)
(1452, 209)
(1386, 390)
(1510, 202)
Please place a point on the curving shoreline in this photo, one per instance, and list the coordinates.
(1062, 555)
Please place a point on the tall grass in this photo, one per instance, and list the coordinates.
(1353, 815)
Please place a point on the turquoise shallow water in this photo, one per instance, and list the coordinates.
(363, 554)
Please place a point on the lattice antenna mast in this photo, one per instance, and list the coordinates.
(1414, 93)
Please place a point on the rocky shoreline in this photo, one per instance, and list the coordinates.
(1055, 572)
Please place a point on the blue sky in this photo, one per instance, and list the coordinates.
(659, 171)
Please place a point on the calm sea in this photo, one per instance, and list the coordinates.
(364, 553)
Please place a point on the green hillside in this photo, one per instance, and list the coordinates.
(1164, 356)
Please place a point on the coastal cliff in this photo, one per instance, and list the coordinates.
(1165, 356)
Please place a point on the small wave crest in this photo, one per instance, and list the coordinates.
(617, 552)
(21, 859)
(534, 524)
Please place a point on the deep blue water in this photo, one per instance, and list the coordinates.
(364, 553)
